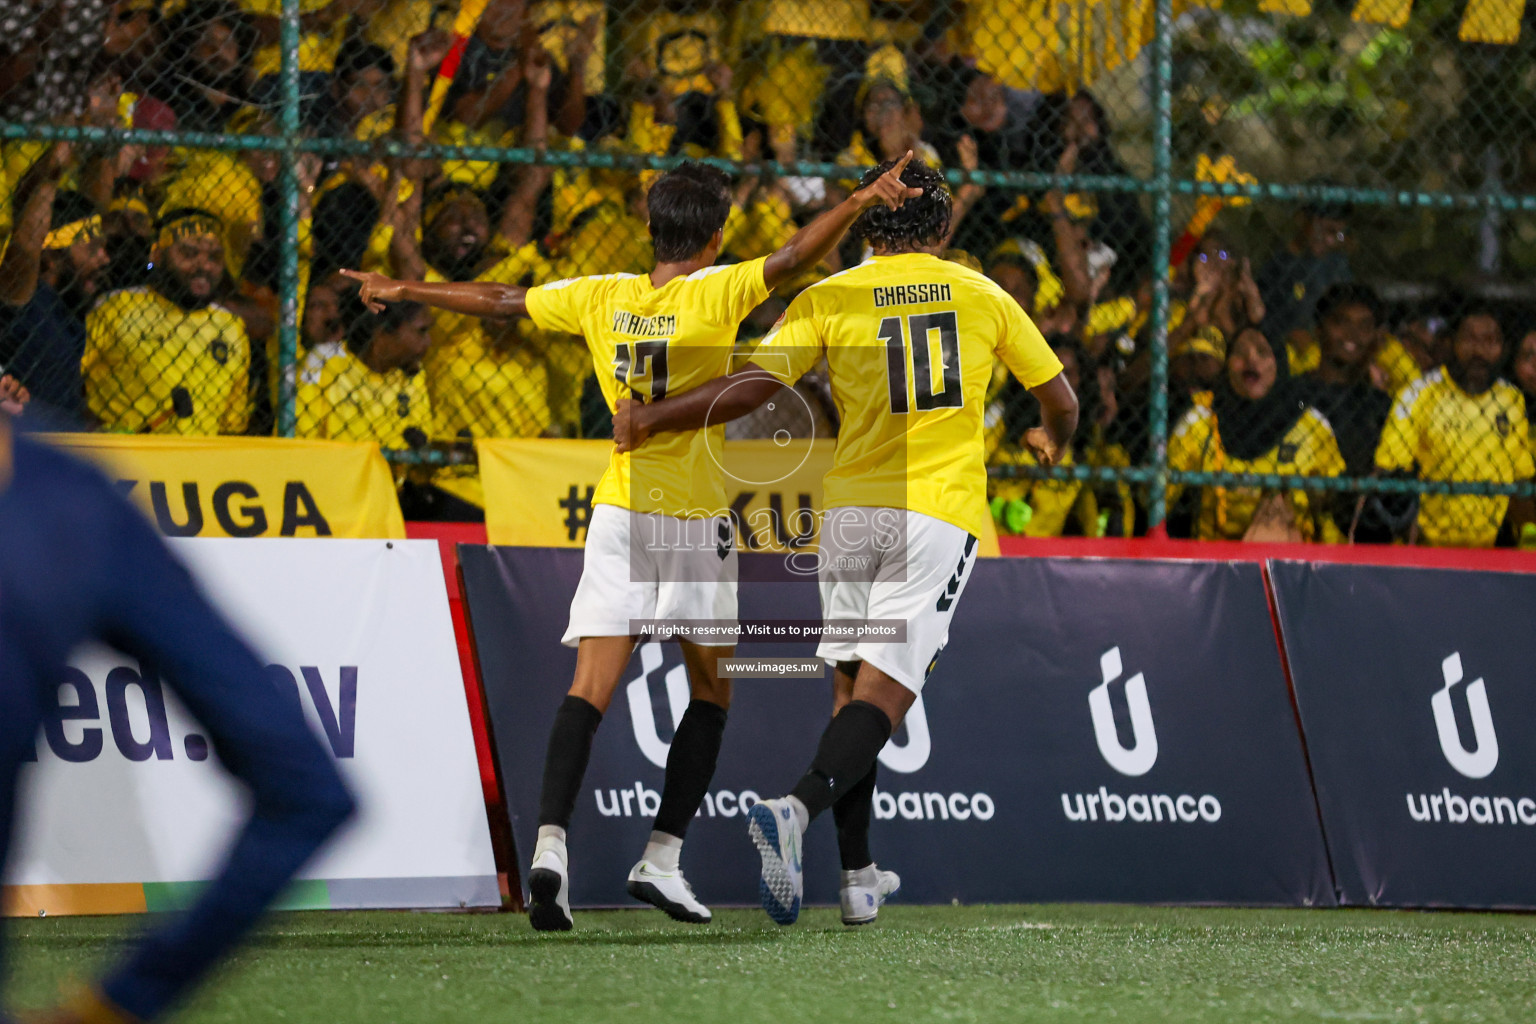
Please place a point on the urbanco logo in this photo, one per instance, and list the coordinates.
(641, 713)
(1479, 762)
(912, 755)
(1142, 755)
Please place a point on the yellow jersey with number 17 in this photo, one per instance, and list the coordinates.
(647, 343)
(910, 342)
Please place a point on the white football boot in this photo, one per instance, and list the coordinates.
(865, 891)
(776, 832)
(549, 886)
(667, 891)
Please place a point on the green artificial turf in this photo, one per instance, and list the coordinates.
(1027, 963)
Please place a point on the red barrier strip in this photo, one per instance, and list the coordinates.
(1487, 559)
(449, 536)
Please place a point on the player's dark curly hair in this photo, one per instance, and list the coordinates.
(687, 205)
(921, 222)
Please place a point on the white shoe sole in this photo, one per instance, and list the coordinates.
(880, 902)
(647, 892)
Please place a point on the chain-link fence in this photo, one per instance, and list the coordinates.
(1281, 247)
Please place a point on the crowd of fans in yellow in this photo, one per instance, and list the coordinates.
(139, 286)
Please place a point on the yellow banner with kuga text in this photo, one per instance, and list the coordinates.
(538, 492)
(249, 486)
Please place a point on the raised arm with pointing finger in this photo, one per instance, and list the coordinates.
(802, 252)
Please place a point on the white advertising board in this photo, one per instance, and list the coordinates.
(130, 798)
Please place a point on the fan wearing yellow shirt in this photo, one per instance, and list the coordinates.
(374, 389)
(166, 358)
(485, 381)
(1460, 421)
(1046, 508)
(892, 123)
(1256, 420)
(909, 340)
(650, 335)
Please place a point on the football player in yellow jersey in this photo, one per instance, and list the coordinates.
(650, 335)
(909, 339)
(1461, 421)
(166, 358)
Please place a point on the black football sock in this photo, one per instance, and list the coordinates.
(690, 766)
(847, 752)
(851, 813)
(565, 763)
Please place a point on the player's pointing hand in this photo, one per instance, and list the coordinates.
(888, 188)
(376, 289)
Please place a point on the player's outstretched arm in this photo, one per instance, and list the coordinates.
(811, 243)
(1058, 416)
(720, 401)
(472, 298)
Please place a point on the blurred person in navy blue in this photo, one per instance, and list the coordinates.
(78, 563)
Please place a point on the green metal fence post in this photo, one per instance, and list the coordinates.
(288, 276)
(1162, 240)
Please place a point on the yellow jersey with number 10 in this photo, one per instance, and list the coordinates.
(647, 343)
(910, 342)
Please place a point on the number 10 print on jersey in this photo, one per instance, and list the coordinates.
(921, 328)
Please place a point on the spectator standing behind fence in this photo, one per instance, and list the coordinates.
(817, 54)
(490, 87)
(1051, 508)
(1461, 422)
(48, 280)
(362, 86)
(166, 358)
(133, 38)
(1005, 140)
(1077, 139)
(1020, 268)
(486, 379)
(692, 124)
(374, 389)
(1210, 298)
(890, 125)
(1314, 260)
(206, 65)
(1522, 368)
(684, 70)
(1257, 421)
(1343, 389)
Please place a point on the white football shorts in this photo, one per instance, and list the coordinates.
(639, 565)
(893, 564)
